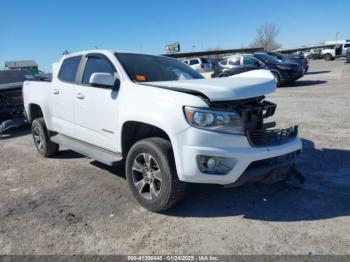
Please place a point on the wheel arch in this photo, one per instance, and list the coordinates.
(34, 112)
(133, 131)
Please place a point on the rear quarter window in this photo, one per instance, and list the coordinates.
(69, 68)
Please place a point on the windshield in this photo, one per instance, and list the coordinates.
(266, 58)
(279, 56)
(205, 61)
(14, 76)
(149, 68)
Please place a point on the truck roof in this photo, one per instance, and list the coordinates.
(103, 51)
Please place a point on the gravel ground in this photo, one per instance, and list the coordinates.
(74, 205)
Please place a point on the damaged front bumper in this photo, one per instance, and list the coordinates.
(269, 171)
(12, 123)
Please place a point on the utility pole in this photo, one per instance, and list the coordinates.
(336, 39)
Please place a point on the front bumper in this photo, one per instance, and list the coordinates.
(269, 170)
(195, 142)
(12, 123)
(291, 76)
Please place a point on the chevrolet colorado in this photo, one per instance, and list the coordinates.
(169, 123)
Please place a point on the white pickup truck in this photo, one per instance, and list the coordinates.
(170, 124)
(338, 50)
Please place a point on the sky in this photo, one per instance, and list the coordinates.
(43, 29)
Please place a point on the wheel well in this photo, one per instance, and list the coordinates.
(134, 131)
(223, 75)
(34, 112)
(276, 72)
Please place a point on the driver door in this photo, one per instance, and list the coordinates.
(96, 108)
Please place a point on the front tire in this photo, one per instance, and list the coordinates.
(327, 57)
(277, 78)
(42, 142)
(151, 174)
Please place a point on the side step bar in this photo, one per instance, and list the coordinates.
(86, 149)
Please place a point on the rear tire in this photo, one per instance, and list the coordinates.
(151, 174)
(42, 142)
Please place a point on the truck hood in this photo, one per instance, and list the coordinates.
(246, 85)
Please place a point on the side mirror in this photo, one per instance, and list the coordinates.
(105, 80)
(257, 64)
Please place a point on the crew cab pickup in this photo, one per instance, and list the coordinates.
(170, 124)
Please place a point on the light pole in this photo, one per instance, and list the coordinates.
(336, 38)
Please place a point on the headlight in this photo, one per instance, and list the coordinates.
(284, 67)
(218, 121)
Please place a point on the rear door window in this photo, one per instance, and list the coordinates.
(69, 68)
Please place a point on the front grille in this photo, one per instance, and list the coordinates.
(271, 137)
(11, 104)
(253, 111)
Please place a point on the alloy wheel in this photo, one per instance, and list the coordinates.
(146, 175)
(38, 138)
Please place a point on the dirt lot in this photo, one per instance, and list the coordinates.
(73, 205)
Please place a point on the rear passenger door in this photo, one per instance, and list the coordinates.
(96, 108)
(61, 97)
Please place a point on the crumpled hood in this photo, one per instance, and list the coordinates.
(246, 85)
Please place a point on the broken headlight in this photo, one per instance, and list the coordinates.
(217, 121)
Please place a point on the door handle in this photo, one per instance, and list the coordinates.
(80, 96)
(56, 91)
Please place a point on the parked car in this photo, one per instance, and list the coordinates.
(348, 55)
(283, 72)
(170, 124)
(314, 54)
(11, 101)
(199, 64)
(295, 58)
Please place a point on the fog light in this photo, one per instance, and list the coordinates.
(211, 163)
(215, 165)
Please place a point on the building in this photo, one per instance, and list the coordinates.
(333, 42)
(29, 65)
